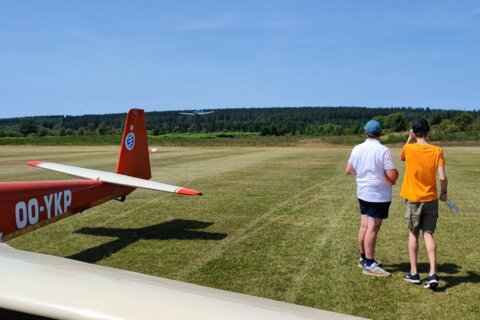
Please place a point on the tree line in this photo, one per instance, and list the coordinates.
(308, 121)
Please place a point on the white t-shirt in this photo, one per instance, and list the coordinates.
(370, 160)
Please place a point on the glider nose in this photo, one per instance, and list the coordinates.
(188, 192)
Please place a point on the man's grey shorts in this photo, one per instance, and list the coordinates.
(422, 215)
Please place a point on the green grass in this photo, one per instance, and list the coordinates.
(279, 223)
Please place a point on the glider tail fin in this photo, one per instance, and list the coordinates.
(134, 159)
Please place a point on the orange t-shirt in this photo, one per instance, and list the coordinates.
(420, 181)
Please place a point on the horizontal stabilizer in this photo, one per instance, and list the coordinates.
(113, 178)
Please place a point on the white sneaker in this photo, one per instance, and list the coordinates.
(375, 270)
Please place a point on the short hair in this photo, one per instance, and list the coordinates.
(374, 134)
(420, 127)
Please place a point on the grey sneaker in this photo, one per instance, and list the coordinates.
(375, 270)
(361, 263)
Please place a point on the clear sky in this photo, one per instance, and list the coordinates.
(106, 56)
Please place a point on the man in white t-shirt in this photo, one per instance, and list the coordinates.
(375, 171)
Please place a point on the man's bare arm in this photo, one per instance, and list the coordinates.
(349, 170)
(442, 176)
(392, 175)
(411, 136)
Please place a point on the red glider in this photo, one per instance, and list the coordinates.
(27, 205)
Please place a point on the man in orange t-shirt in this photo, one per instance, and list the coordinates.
(419, 188)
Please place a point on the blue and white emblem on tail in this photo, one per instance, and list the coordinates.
(130, 141)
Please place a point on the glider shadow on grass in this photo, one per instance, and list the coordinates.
(452, 270)
(171, 230)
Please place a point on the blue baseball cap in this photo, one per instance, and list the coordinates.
(373, 127)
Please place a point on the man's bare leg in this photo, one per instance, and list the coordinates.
(413, 251)
(373, 227)
(431, 247)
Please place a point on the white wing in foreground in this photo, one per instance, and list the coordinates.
(67, 289)
(113, 178)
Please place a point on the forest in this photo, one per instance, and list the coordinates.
(298, 121)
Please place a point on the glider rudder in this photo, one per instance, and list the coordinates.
(134, 159)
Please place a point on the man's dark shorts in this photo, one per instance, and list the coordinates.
(378, 210)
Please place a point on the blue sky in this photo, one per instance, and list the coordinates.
(102, 56)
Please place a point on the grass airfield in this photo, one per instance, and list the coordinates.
(279, 223)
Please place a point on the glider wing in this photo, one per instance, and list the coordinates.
(113, 178)
(62, 288)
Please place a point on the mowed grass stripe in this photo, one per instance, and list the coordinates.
(287, 211)
(248, 183)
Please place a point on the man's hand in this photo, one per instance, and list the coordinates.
(349, 170)
(392, 176)
(443, 197)
(411, 136)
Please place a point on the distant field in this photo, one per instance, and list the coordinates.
(212, 139)
(222, 139)
(279, 223)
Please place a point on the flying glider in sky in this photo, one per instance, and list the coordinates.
(63, 288)
(198, 112)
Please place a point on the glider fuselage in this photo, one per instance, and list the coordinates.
(36, 203)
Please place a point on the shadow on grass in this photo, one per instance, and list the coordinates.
(451, 269)
(171, 230)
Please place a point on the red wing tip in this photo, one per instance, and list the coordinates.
(34, 163)
(188, 192)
